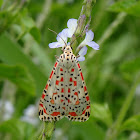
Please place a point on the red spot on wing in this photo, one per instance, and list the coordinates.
(82, 76)
(75, 83)
(72, 70)
(55, 113)
(87, 98)
(43, 95)
(77, 102)
(54, 93)
(72, 114)
(68, 90)
(45, 111)
(52, 101)
(69, 101)
(41, 105)
(61, 69)
(78, 65)
(55, 64)
(88, 107)
(70, 79)
(57, 82)
(62, 90)
(62, 79)
(46, 86)
(85, 88)
(76, 93)
(62, 100)
(64, 108)
(51, 74)
(84, 112)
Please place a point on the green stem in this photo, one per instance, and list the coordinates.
(47, 131)
(113, 132)
(83, 23)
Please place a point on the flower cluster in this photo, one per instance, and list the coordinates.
(30, 115)
(68, 32)
(8, 108)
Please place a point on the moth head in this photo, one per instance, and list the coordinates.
(67, 48)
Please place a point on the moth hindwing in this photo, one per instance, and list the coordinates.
(65, 94)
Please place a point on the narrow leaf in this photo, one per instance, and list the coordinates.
(18, 75)
(132, 124)
(101, 113)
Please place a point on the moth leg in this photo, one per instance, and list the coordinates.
(56, 56)
(77, 56)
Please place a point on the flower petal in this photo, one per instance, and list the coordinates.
(65, 31)
(83, 51)
(93, 45)
(81, 58)
(89, 36)
(55, 45)
(72, 23)
(62, 37)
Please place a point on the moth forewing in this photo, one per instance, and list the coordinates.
(65, 93)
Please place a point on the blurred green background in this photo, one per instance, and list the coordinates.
(111, 74)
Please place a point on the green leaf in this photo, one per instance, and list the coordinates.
(28, 25)
(19, 130)
(132, 124)
(101, 113)
(35, 33)
(18, 75)
(10, 53)
(118, 48)
(1, 2)
(27, 21)
(131, 66)
(129, 6)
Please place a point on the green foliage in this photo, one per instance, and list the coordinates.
(132, 124)
(18, 57)
(101, 113)
(27, 25)
(131, 7)
(17, 129)
(19, 76)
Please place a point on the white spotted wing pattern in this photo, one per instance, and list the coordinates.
(65, 94)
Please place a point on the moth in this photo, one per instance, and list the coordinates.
(65, 94)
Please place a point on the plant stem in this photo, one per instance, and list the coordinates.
(113, 132)
(47, 131)
(83, 23)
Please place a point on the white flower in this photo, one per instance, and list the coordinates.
(82, 52)
(30, 111)
(71, 24)
(59, 134)
(61, 40)
(8, 109)
(88, 40)
(67, 32)
(30, 115)
(33, 121)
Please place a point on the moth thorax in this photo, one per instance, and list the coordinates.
(67, 62)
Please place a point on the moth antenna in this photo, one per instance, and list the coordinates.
(57, 35)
